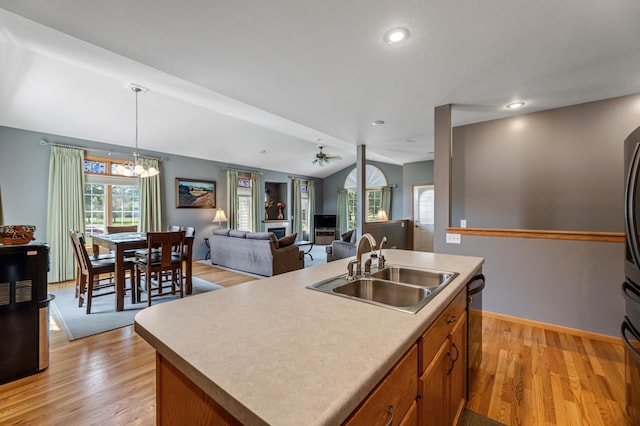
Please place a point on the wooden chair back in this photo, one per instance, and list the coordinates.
(118, 229)
(80, 251)
(171, 244)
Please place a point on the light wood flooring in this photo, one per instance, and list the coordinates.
(528, 376)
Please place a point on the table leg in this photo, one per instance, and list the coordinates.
(120, 272)
(96, 251)
(189, 267)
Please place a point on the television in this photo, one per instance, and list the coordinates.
(324, 221)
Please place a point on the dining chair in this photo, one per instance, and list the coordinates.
(156, 263)
(90, 270)
(117, 229)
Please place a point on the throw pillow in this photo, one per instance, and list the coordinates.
(347, 235)
(288, 240)
(354, 237)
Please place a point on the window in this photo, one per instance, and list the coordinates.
(109, 199)
(244, 203)
(375, 180)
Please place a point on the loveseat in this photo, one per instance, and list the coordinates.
(256, 252)
(344, 247)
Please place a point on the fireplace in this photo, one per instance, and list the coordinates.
(279, 227)
(279, 232)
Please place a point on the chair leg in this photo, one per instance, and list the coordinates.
(91, 281)
(138, 274)
(148, 282)
(132, 273)
(82, 288)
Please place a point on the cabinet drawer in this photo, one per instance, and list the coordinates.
(440, 329)
(398, 390)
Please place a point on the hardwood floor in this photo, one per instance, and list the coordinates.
(535, 376)
(528, 376)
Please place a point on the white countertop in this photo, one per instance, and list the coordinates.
(274, 352)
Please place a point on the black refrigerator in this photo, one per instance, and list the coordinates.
(630, 328)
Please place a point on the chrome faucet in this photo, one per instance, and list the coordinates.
(381, 259)
(358, 260)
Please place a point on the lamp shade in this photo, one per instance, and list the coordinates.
(382, 215)
(220, 216)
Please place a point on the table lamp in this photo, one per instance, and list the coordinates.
(219, 217)
(382, 215)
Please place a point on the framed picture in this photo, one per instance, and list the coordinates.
(195, 193)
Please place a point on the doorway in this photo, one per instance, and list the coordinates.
(423, 213)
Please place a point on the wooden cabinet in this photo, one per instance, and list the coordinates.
(443, 369)
(426, 387)
(324, 236)
(458, 374)
(440, 358)
(393, 400)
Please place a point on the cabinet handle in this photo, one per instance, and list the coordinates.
(390, 411)
(457, 352)
(452, 318)
(453, 360)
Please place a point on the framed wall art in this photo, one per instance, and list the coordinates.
(195, 193)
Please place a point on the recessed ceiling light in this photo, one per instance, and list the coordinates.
(396, 35)
(515, 105)
(377, 122)
(410, 140)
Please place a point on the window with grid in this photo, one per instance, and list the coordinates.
(375, 179)
(109, 199)
(244, 203)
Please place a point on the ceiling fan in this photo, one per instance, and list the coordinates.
(323, 159)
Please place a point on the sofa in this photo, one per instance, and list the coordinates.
(260, 253)
(344, 247)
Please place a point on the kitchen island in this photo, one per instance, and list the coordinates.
(274, 352)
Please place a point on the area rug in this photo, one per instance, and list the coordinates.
(77, 324)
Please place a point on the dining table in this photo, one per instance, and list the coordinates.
(124, 241)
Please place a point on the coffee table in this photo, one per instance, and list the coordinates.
(303, 243)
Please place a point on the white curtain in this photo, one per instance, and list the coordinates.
(297, 208)
(1, 212)
(386, 200)
(256, 201)
(150, 200)
(343, 214)
(65, 209)
(232, 199)
(311, 193)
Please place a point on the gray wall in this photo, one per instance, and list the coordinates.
(559, 169)
(570, 283)
(414, 173)
(24, 176)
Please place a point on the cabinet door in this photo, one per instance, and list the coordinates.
(394, 396)
(458, 373)
(433, 402)
(411, 418)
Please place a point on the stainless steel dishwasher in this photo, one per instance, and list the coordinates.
(474, 328)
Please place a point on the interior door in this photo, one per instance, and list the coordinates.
(423, 217)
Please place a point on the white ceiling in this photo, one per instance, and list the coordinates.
(228, 80)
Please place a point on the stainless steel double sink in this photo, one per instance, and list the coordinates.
(402, 288)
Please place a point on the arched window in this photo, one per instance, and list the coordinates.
(377, 195)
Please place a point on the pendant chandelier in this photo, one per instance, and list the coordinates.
(136, 167)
